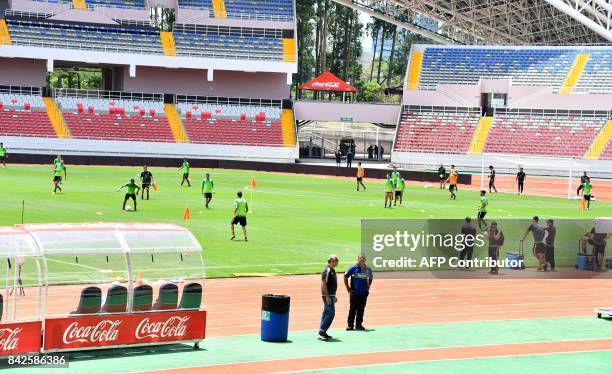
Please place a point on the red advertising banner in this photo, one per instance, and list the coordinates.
(20, 337)
(123, 329)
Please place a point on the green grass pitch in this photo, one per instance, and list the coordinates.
(296, 220)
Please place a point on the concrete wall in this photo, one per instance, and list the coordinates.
(334, 111)
(194, 82)
(22, 72)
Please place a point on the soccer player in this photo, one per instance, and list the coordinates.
(442, 174)
(395, 176)
(3, 154)
(482, 209)
(208, 187)
(58, 170)
(520, 180)
(57, 159)
(586, 193)
(492, 179)
(132, 191)
(185, 168)
(241, 208)
(388, 191)
(583, 179)
(399, 190)
(360, 175)
(146, 179)
(452, 180)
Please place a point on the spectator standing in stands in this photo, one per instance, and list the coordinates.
(492, 179)
(208, 187)
(550, 232)
(442, 174)
(361, 277)
(539, 245)
(496, 240)
(241, 208)
(329, 286)
(185, 168)
(349, 158)
(360, 176)
(583, 179)
(376, 151)
(382, 152)
(468, 231)
(146, 179)
(3, 154)
(338, 157)
(520, 180)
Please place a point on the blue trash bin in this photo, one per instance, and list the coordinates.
(274, 317)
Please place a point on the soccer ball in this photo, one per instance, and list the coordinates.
(127, 207)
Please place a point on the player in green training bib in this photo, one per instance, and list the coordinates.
(185, 168)
(586, 193)
(388, 191)
(482, 209)
(395, 176)
(3, 154)
(59, 169)
(399, 190)
(208, 188)
(132, 191)
(241, 208)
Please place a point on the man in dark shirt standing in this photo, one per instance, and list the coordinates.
(492, 179)
(520, 180)
(468, 231)
(338, 157)
(329, 285)
(598, 241)
(539, 247)
(361, 277)
(496, 240)
(442, 175)
(583, 179)
(550, 231)
(349, 158)
(146, 179)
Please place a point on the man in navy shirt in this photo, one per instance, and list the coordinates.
(360, 281)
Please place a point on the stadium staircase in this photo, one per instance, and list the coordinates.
(288, 126)
(167, 40)
(79, 4)
(600, 142)
(416, 62)
(5, 37)
(289, 50)
(176, 124)
(574, 74)
(56, 118)
(219, 8)
(480, 135)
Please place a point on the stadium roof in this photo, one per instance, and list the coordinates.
(516, 22)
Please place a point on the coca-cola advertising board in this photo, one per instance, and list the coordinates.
(123, 329)
(18, 338)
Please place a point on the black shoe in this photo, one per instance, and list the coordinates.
(360, 328)
(327, 336)
(233, 237)
(323, 337)
(350, 328)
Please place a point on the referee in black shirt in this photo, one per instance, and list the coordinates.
(520, 180)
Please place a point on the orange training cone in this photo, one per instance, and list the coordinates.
(187, 214)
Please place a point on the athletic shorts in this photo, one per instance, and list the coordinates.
(587, 197)
(482, 215)
(130, 196)
(208, 195)
(521, 183)
(599, 249)
(452, 187)
(359, 179)
(57, 179)
(185, 175)
(398, 193)
(540, 248)
(239, 220)
(491, 182)
(2, 158)
(146, 185)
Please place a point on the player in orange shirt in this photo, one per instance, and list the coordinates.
(360, 175)
(452, 182)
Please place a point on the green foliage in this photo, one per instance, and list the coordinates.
(83, 78)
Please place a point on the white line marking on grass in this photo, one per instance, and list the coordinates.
(81, 265)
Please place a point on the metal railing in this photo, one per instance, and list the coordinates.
(108, 12)
(21, 90)
(228, 30)
(87, 47)
(553, 112)
(239, 101)
(198, 16)
(62, 7)
(108, 95)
